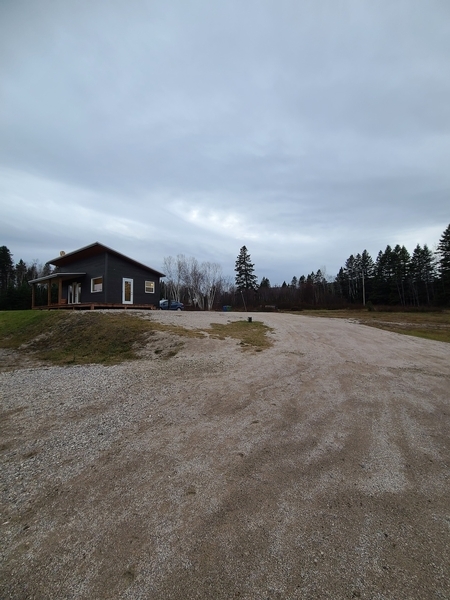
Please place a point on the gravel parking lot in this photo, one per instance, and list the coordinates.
(316, 469)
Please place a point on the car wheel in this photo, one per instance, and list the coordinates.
(178, 308)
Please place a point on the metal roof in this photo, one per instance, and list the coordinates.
(56, 276)
(92, 250)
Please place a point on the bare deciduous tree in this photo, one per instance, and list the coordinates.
(199, 282)
(211, 281)
(173, 268)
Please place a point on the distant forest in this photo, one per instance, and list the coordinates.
(395, 278)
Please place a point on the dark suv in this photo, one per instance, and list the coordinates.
(174, 305)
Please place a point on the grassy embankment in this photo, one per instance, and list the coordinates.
(428, 325)
(108, 338)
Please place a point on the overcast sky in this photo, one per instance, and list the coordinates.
(307, 130)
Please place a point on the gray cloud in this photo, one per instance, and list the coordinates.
(307, 131)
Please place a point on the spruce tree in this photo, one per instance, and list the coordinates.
(443, 251)
(6, 269)
(245, 279)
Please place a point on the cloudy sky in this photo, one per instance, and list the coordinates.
(307, 130)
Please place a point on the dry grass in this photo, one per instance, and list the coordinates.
(251, 335)
(428, 325)
(177, 330)
(74, 338)
(108, 338)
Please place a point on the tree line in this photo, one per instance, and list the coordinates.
(394, 278)
(15, 292)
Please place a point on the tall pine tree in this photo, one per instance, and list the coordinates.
(443, 251)
(245, 279)
(6, 269)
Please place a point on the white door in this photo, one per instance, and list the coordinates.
(127, 291)
(77, 293)
(74, 293)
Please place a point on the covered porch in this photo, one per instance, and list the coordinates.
(56, 280)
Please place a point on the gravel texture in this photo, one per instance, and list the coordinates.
(316, 469)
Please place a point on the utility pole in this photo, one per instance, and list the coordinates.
(243, 300)
(364, 289)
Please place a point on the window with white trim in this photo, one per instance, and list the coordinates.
(97, 284)
(149, 287)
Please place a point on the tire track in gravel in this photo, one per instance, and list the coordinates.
(315, 469)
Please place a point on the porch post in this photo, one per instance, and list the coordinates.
(49, 292)
(33, 296)
(59, 290)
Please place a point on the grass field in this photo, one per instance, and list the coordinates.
(428, 325)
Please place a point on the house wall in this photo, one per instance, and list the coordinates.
(113, 269)
(93, 267)
(117, 269)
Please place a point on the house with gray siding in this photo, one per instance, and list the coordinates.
(99, 277)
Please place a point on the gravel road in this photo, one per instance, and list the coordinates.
(316, 469)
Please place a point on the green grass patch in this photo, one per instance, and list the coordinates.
(19, 327)
(428, 325)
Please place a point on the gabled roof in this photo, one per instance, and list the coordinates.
(93, 250)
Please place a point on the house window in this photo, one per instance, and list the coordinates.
(149, 287)
(97, 284)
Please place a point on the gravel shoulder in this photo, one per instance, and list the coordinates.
(316, 469)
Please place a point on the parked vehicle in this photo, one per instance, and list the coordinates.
(174, 305)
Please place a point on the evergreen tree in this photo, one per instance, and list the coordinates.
(351, 271)
(400, 263)
(21, 271)
(245, 279)
(384, 277)
(264, 290)
(443, 250)
(341, 283)
(367, 269)
(6, 269)
(422, 273)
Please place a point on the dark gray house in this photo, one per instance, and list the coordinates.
(98, 277)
